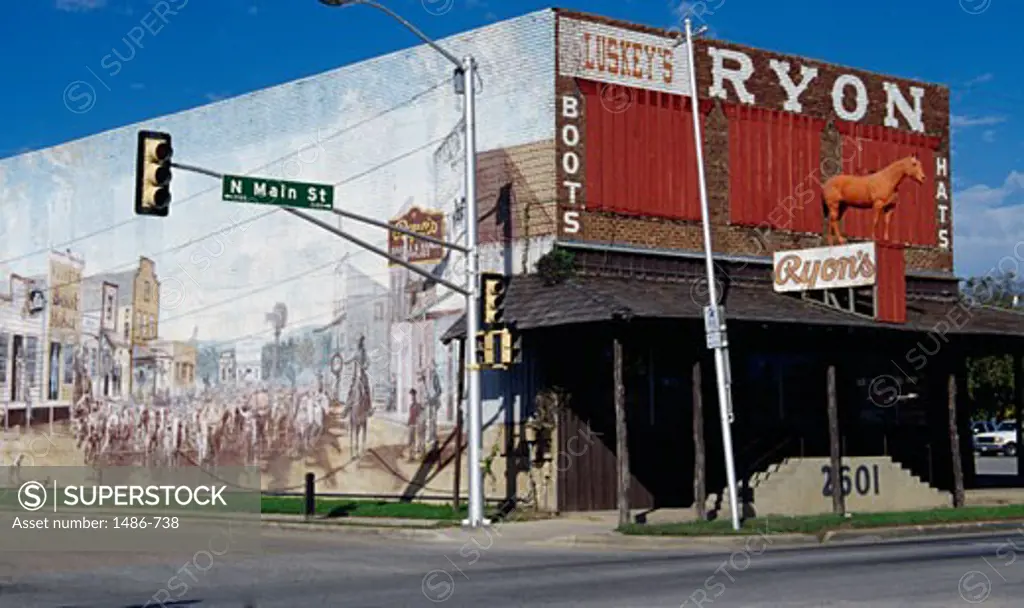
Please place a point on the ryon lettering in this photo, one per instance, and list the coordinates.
(736, 68)
(569, 143)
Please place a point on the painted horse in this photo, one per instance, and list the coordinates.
(360, 406)
(875, 191)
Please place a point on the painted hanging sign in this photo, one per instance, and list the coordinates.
(427, 222)
(851, 265)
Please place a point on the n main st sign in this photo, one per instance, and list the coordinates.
(244, 189)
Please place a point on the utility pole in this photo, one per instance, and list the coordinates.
(476, 494)
(714, 315)
(465, 76)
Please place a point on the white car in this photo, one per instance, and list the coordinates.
(1003, 440)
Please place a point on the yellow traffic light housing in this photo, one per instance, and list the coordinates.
(485, 349)
(494, 288)
(153, 174)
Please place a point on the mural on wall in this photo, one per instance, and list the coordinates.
(231, 333)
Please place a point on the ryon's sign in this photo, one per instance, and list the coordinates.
(851, 265)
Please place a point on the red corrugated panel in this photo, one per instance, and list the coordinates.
(774, 168)
(641, 160)
(891, 285)
(867, 149)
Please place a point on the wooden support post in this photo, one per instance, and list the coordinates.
(954, 445)
(699, 485)
(1018, 408)
(838, 500)
(621, 443)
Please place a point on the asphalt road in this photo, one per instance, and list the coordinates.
(334, 569)
(995, 465)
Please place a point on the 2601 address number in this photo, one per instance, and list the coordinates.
(146, 523)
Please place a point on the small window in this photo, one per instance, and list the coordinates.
(5, 338)
(147, 292)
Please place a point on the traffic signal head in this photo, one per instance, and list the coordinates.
(494, 288)
(511, 346)
(517, 347)
(485, 348)
(153, 174)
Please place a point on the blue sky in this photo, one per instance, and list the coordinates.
(212, 50)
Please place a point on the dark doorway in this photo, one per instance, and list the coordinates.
(17, 356)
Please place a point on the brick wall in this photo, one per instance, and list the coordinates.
(763, 84)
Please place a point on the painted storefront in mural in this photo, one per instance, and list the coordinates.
(229, 333)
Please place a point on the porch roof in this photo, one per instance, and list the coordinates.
(532, 304)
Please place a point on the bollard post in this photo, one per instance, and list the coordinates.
(310, 509)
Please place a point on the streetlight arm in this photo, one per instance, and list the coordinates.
(412, 28)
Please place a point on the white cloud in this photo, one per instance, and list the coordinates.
(988, 224)
(959, 121)
(76, 6)
(989, 136)
(981, 79)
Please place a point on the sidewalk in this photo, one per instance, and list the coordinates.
(595, 531)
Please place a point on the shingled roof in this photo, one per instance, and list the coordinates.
(532, 304)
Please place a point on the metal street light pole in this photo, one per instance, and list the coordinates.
(714, 315)
(465, 72)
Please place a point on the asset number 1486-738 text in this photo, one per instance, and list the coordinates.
(146, 523)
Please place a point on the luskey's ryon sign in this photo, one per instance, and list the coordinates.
(852, 265)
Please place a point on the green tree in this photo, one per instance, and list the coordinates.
(990, 379)
(990, 386)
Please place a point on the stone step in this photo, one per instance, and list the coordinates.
(796, 487)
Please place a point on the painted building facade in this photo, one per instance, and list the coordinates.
(22, 324)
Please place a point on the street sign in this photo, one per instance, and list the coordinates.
(714, 329)
(245, 189)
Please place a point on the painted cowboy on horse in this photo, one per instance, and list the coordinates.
(359, 404)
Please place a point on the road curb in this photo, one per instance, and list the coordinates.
(902, 532)
(419, 533)
(615, 540)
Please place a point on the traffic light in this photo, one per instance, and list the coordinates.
(494, 288)
(511, 347)
(153, 174)
(485, 348)
(517, 348)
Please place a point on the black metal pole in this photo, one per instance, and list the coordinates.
(310, 509)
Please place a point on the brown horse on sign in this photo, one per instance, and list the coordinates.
(875, 191)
